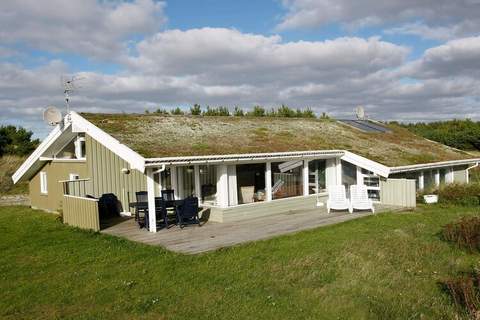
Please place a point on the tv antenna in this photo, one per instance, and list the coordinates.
(69, 87)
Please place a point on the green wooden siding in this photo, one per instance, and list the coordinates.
(105, 171)
(81, 212)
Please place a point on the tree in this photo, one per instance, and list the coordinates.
(16, 141)
(257, 111)
(285, 111)
(160, 111)
(196, 110)
(238, 112)
(177, 111)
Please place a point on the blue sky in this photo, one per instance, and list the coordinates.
(402, 60)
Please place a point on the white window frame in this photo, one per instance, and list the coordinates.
(43, 183)
(73, 176)
(361, 177)
(79, 142)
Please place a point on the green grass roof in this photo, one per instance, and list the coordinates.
(166, 136)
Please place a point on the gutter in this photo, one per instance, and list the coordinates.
(188, 160)
(433, 165)
(468, 169)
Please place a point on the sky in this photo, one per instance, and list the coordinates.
(402, 60)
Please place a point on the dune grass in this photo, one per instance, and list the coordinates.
(387, 266)
(8, 165)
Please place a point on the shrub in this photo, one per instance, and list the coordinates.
(196, 110)
(465, 292)
(460, 194)
(238, 112)
(215, 112)
(285, 111)
(161, 111)
(465, 233)
(177, 111)
(257, 111)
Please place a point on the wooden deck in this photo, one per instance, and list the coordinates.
(213, 235)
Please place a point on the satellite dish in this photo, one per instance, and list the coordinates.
(360, 112)
(52, 116)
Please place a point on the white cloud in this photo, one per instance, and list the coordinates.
(229, 55)
(96, 29)
(437, 19)
(455, 58)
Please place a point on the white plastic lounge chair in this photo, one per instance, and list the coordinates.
(359, 198)
(337, 198)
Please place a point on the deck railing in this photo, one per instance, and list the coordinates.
(77, 188)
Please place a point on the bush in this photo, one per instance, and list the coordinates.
(161, 111)
(196, 110)
(238, 112)
(257, 111)
(465, 292)
(216, 112)
(177, 112)
(465, 233)
(461, 134)
(460, 194)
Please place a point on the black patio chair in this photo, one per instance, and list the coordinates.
(141, 208)
(187, 213)
(161, 211)
(169, 197)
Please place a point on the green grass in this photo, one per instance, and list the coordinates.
(387, 266)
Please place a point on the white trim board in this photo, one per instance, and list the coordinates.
(79, 124)
(433, 165)
(34, 158)
(365, 163)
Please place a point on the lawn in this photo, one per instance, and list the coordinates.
(387, 266)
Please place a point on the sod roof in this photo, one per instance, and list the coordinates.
(155, 136)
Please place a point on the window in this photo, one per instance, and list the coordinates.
(73, 176)
(287, 179)
(208, 183)
(316, 176)
(80, 148)
(428, 180)
(349, 175)
(166, 179)
(43, 183)
(186, 181)
(250, 182)
(372, 182)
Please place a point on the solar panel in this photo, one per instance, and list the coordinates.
(366, 125)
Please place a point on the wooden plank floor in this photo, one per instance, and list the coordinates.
(213, 235)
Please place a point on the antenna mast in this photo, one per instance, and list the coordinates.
(69, 86)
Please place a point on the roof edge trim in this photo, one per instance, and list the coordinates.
(365, 163)
(80, 124)
(433, 165)
(239, 157)
(38, 152)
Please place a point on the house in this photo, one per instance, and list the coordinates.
(239, 167)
